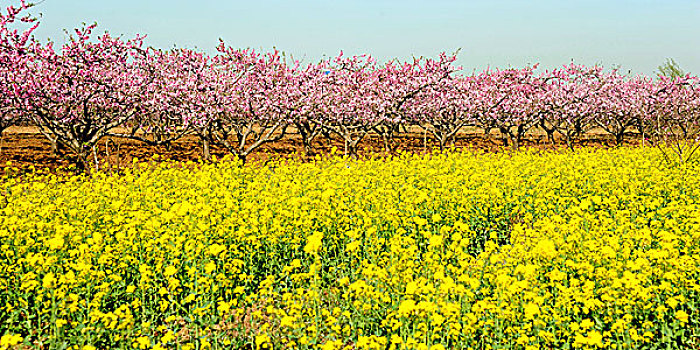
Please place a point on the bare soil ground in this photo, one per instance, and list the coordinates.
(25, 148)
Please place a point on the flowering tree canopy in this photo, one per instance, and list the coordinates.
(240, 99)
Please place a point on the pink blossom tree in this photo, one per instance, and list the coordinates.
(402, 84)
(245, 110)
(307, 91)
(173, 98)
(444, 109)
(352, 84)
(673, 122)
(241, 99)
(77, 95)
(621, 105)
(509, 100)
(570, 99)
(14, 46)
(309, 88)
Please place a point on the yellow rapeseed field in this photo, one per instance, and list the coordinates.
(529, 250)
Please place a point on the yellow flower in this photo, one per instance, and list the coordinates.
(209, 267)
(682, 316)
(435, 241)
(586, 324)
(216, 249)
(262, 341)
(287, 321)
(546, 248)
(411, 242)
(595, 339)
(49, 281)
(580, 340)
(169, 271)
(314, 243)
(56, 242)
(190, 298)
(142, 342)
(411, 288)
(531, 311)
(167, 337)
(420, 221)
(332, 345)
(9, 340)
(352, 246)
(223, 307)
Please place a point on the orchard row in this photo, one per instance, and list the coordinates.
(93, 87)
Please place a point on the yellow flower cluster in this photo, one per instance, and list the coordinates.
(587, 249)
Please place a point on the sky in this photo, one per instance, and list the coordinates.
(636, 35)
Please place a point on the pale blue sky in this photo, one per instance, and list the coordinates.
(637, 35)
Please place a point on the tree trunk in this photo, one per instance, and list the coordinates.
(387, 133)
(306, 137)
(550, 136)
(206, 152)
(54, 146)
(387, 148)
(351, 147)
(569, 141)
(515, 142)
(619, 138)
(82, 164)
(453, 139)
(442, 140)
(2, 139)
(307, 146)
(94, 154)
(305, 140)
(549, 131)
(508, 138)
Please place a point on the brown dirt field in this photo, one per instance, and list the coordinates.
(27, 149)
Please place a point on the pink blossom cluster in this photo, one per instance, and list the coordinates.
(98, 86)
